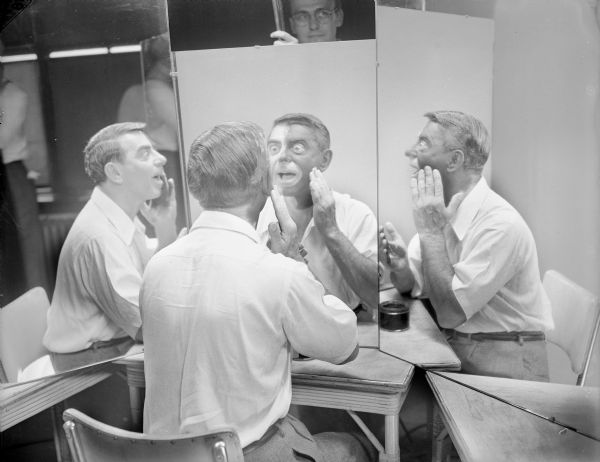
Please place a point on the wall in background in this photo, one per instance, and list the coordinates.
(545, 133)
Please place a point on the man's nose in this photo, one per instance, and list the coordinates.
(410, 153)
(284, 155)
(159, 159)
(313, 22)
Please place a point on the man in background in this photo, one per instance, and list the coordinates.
(21, 250)
(311, 21)
(222, 313)
(94, 314)
(338, 233)
(473, 255)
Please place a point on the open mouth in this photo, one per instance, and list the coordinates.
(286, 176)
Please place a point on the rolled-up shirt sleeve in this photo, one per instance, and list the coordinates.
(113, 280)
(318, 325)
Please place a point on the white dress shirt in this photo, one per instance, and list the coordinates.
(99, 278)
(496, 276)
(355, 220)
(221, 314)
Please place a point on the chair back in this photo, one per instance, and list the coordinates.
(93, 441)
(22, 327)
(576, 313)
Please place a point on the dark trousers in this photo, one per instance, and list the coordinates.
(22, 264)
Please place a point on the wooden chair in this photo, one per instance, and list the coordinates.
(576, 313)
(22, 327)
(90, 441)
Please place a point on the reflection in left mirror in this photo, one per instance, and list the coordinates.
(73, 65)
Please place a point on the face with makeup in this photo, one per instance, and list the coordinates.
(294, 150)
(430, 149)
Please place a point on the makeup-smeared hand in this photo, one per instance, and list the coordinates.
(429, 210)
(283, 233)
(163, 207)
(323, 203)
(392, 249)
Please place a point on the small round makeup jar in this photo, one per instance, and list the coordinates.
(394, 315)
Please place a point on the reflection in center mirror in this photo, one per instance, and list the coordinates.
(321, 93)
(487, 313)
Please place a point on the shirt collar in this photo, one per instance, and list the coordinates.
(227, 221)
(117, 216)
(468, 208)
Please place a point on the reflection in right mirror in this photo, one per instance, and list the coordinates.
(531, 59)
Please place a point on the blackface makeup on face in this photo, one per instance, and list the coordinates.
(429, 149)
(293, 152)
(142, 166)
(315, 20)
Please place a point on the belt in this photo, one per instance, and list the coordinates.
(108, 343)
(524, 336)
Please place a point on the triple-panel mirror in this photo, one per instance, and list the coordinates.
(388, 65)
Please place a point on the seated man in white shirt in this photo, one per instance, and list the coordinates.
(222, 313)
(473, 255)
(94, 314)
(338, 233)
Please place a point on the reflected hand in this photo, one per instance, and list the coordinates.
(283, 233)
(323, 203)
(164, 207)
(283, 38)
(392, 249)
(429, 209)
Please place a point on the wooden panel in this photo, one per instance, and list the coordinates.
(422, 344)
(483, 428)
(578, 407)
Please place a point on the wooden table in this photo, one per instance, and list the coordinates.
(485, 428)
(374, 382)
(21, 401)
(422, 344)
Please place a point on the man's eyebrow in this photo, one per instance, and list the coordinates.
(144, 147)
(297, 140)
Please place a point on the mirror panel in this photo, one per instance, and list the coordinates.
(442, 66)
(69, 99)
(261, 84)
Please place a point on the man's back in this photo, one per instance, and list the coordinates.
(237, 310)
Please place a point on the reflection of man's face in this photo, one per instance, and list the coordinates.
(293, 152)
(430, 149)
(141, 166)
(315, 20)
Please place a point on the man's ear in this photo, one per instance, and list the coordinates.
(325, 160)
(113, 172)
(292, 26)
(339, 18)
(457, 160)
